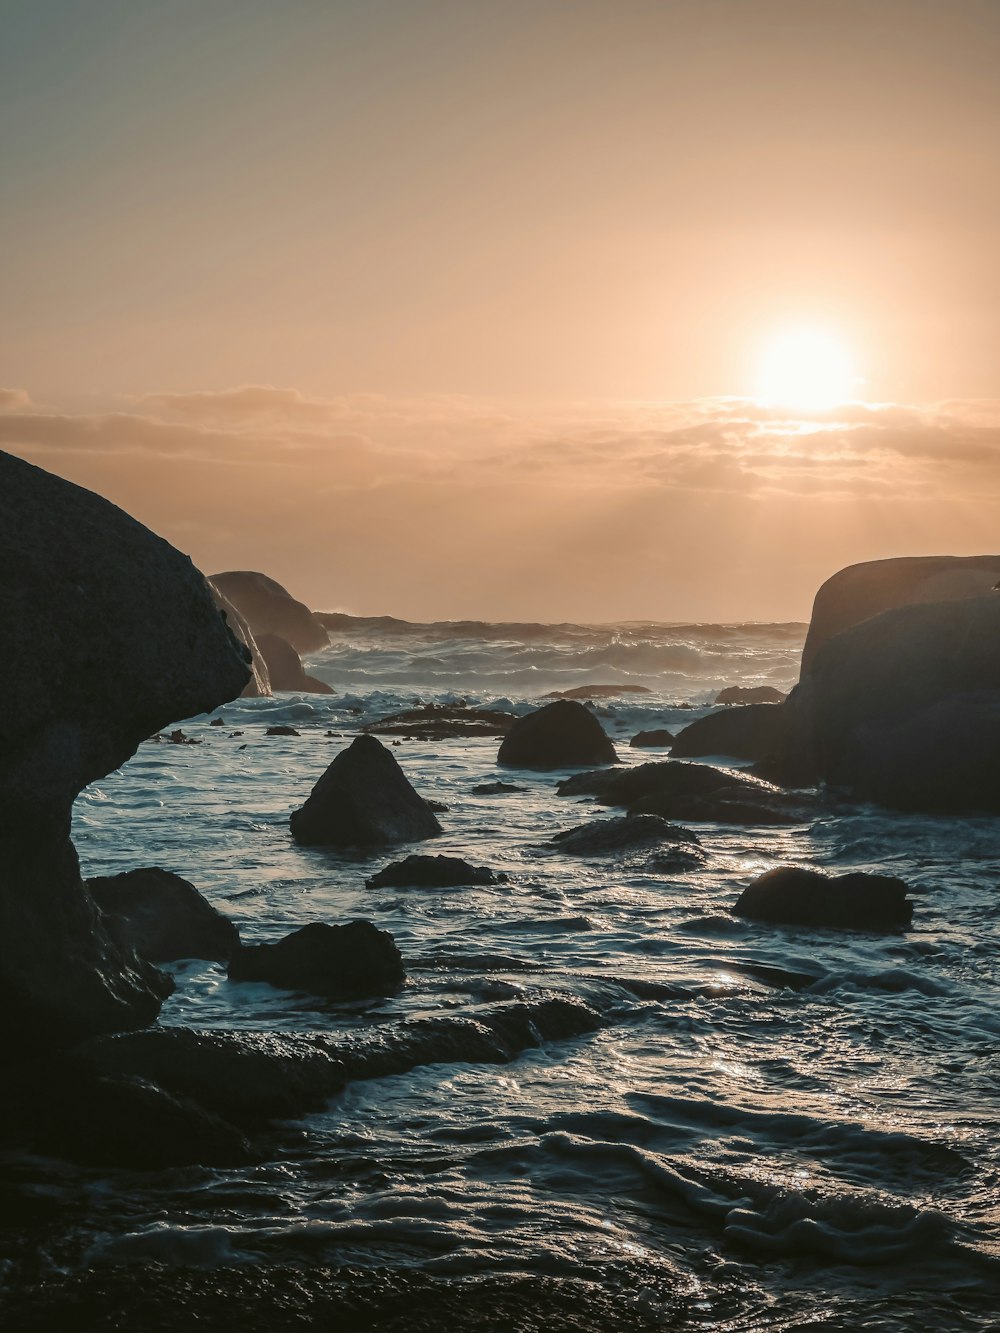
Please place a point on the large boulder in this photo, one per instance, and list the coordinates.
(750, 694)
(163, 917)
(904, 709)
(112, 634)
(859, 592)
(271, 609)
(284, 667)
(791, 895)
(259, 684)
(563, 734)
(363, 798)
(742, 731)
(337, 961)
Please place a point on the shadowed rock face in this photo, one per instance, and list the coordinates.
(561, 735)
(363, 798)
(793, 896)
(259, 684)
(284, 667)
(744, 731)
(859, 592)
(271, 609)
(163, 917)
(112, 634)
(354, 959)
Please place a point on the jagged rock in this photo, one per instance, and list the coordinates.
(444, 872)
(560, 735)
(259, 684)
(338, 961)
(285, 669)
(857, 593)
(602, 837)
(745, 731)
(750, 694)
(362, 798)
(652, 739)
(793, 896)
(163, 917)
(270, 609)
(131, 640)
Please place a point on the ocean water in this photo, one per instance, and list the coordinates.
(713, 1149)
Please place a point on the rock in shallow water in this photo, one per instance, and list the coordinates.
(794, 896)
(605, 836)
(560, 735)
(361, 799)
(652, 739)
(338, 961)
(443, 872)
(744, 731)
(163, 917)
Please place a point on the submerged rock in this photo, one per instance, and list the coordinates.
(163, 917)
(560, 735)
(363, 798)
(285, 669)
(443, 872)
(744, 731)
(131, 640)
(338, 961)
(750, 694)
(793, 896)
(269, 608)
(602, 837)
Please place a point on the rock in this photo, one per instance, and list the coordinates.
(793, 896)
(560, 735)
(437, 872)
(750, 694)
(337, 961)
(130, 640)
(284, 667)
(602, 837)
(362, 798)
(597, 692)
(744, 731)
(442, 722)
(722, 808)
(259, 684)
(904, 709)
(163, 917)
(282, 730)
(666, 779)
(652, 739)
(269, 608)
(496, 788)
(857, 593)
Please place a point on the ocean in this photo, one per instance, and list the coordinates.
(709, 1148)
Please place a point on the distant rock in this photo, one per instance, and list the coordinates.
(336, 961)
(603, 837)
(112, 635)
(439, 722)
(269, 608)
(560, 735)
(744, 731)
(163, 917)
(496, 788)
(792, 896)
(659, 738)
(857, 593)
(282, 729)
(433, 872)
(750, 694)
(284, 667)
(363, 798)
(259, 684)
(597, 692)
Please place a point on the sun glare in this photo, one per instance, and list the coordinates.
(805, 368)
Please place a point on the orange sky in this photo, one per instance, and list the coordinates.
(510, 266)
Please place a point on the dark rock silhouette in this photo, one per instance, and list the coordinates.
(163, 917)
(495, 788)
(284, 667)
(726, 807)
(560, 735)
(904, 709)
(259, 684)
(337, 961)
(131, 640)
(363, 798)
(750, 694)
(597, 692)
(793, 896)
(269, 608)
(435, 722)
(282, 729)
(745, 731)
(443, 872)
(861, 591)
(667, 778)
(657, 738)
(602, 837)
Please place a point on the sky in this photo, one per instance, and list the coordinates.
(457, 309)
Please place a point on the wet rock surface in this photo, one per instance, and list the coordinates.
(603, 837)
(560, 735)
(163, 917)
(337, 961)
(791, 895)
(433, 872)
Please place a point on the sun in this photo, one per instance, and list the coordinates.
(805, 368)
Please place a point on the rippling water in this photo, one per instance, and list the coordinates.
(709, 1145)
